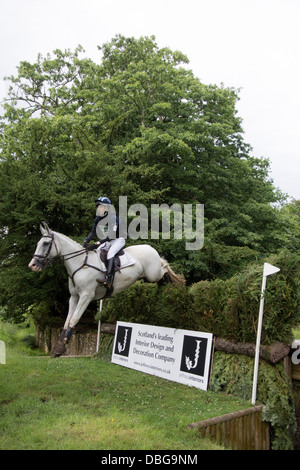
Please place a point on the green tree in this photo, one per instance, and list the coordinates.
(138, 124)
(174, 139)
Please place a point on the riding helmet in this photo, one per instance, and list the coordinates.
(102, 200)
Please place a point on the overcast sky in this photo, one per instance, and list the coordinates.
(249, 44)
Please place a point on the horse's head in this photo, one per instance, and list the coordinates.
(45, 250)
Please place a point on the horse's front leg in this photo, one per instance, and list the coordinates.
(77, 306)
(73, 302)
(66, 333)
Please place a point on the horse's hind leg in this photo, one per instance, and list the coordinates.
(165, 280)
(153, 272)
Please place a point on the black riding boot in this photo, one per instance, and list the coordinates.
(110, 273)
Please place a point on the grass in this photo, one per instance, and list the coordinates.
(91, 404)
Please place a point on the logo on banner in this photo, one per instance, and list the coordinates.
(193, 355)
(123, 340)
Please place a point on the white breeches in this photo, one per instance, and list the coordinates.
(112, 247)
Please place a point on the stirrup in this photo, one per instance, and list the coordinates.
(105, 282)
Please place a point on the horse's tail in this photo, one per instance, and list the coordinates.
(174, 278)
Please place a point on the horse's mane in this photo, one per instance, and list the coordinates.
(67, 238)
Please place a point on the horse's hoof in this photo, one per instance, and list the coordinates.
(58, 350)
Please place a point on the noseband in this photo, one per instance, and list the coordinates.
(43, 259)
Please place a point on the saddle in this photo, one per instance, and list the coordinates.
(117, 261)
(121, 260)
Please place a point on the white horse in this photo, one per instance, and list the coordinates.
(85, 269)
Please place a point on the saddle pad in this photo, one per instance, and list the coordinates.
(126, 260)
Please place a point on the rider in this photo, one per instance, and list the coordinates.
(106, 228)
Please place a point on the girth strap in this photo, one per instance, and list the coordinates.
(84, 265)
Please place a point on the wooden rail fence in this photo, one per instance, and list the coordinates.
(241, 430)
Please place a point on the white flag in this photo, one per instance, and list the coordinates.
(269, 269)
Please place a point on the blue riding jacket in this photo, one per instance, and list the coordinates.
(105, 228)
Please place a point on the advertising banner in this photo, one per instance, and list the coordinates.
(180, 355)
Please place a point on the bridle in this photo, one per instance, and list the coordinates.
(42, 260)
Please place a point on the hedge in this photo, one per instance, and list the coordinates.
(227, 308)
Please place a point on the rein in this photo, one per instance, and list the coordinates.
(73, 253)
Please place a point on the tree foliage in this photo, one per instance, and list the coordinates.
(138, 124)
